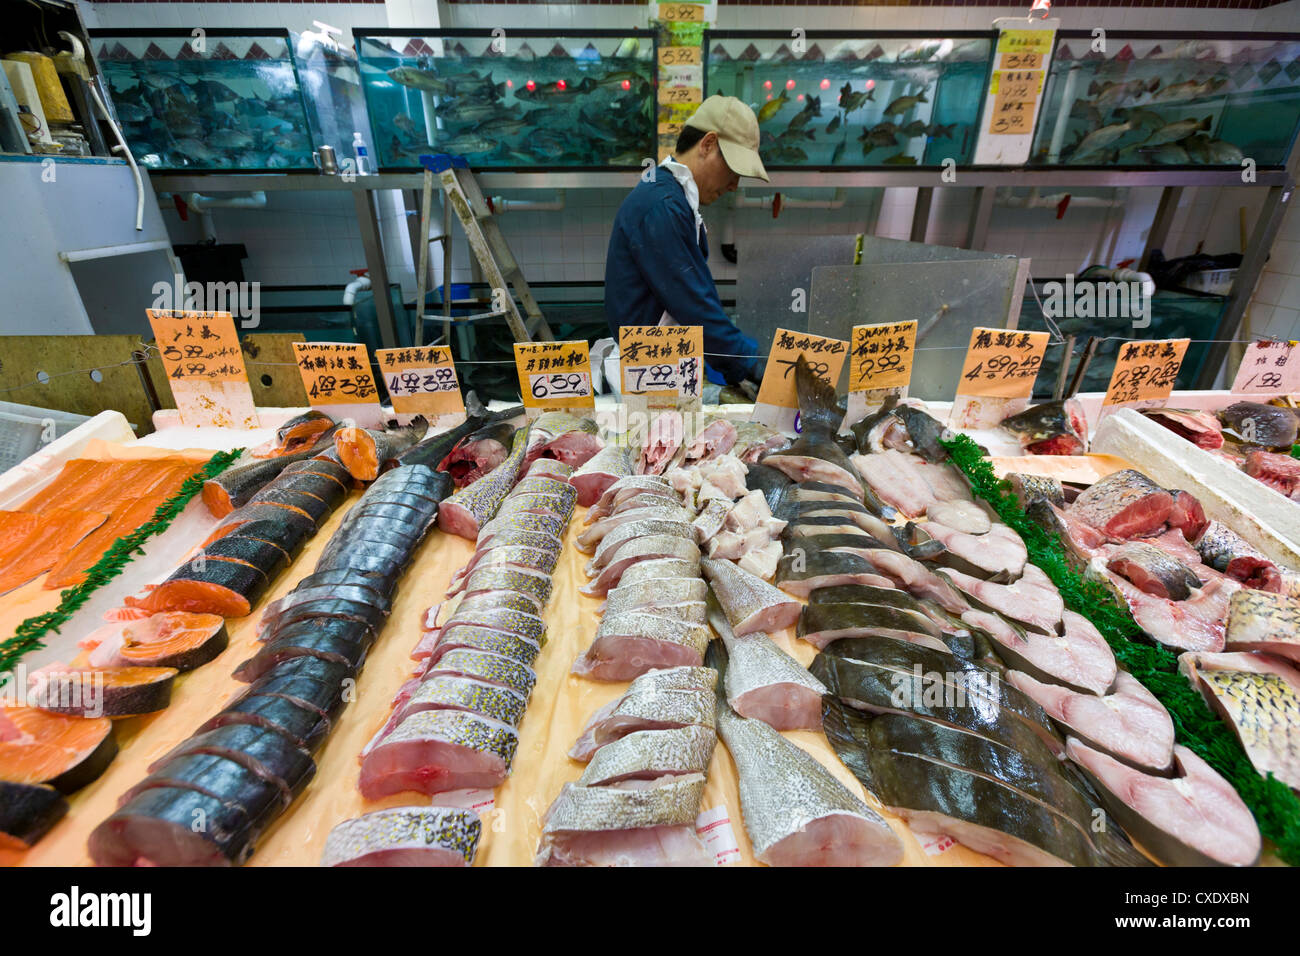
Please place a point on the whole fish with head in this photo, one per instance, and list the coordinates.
(833, 125)
(559, 92)
(1109, 95)
(941, 132)
(1189, 90)
(1099, 139)
(1138, 118)
(418, 79)
(468, 143)
(617, 78)
(904, 103)
(851, 99)
(914, 129)
(1173, 132)
(1050, 428)
(772, 107)
(795, 812)
(214, 91)
(475, 111)
(1212, 152)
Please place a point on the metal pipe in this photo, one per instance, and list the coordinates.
(501, 205)
(765, 202)
(1063, 117)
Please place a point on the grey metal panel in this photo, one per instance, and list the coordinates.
(768, 274)
(880, 249)
(946, 298)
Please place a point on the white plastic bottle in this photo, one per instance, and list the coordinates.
(362, 154)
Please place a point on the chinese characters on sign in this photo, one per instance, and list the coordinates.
(554, 375)
(882, 355)
(1017, 82)
(205, 367)
(665, 363)
(1002, 363)
(1145, 371)
(777, 400)
(338, 375)
(1269, 368)
(421, 381)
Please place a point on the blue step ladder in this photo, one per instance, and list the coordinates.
(462, 195)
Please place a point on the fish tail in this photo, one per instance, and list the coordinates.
(920, 97)
(817, 406)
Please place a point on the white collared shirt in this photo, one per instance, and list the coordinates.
(683, 175)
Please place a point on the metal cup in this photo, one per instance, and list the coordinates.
(325, 161)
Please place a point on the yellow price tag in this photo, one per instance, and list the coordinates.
(663, 362)
(1002, 363)
(554, 375)
(681, 12)
(825, 357)
(336, 373)
(882, 355)
(1145, 371)
(678, 95)
(679, 56)
(1268, 368)
(1026, 41)
(421, 381)
(205, 367)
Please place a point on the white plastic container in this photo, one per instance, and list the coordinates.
(362, 155)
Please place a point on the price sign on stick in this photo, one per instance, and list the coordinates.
(778, 402)
(554, 375)
(665, 363)
(1269, 368)
(1002, 363)
(205, 367)
(881, 356)
(1145, 371)
(339, 380)
(421, 381)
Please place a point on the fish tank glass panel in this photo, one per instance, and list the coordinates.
(527, 99)
(1170, 100)
(848, 101)
(230, 101)
(336, 107)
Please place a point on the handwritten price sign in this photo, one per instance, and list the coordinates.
(665, 363)
(681, 12)
(421, 381)
(1269, 368)
(205, 367)
(777, 399)
(554, 375)
(1002, 363)
(679, 56)
(882, 355)
(1145, 371)
(337, 375)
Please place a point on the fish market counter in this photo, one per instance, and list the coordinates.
(512, 818)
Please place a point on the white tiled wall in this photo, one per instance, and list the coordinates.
(310, 237)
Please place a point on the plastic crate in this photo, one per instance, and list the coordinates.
(25, 428)
(1213, 281)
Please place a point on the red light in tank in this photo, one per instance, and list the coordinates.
(510, 84)
(799, 98)
(767, 84)
(561, 85)
(627, 84)
(871, 84)
(769, 96)
(789, 84)
(530, 85)
(825, 84)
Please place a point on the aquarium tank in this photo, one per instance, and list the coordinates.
(522, 99)
(842, 100)
(226, 100)
(1170, 99)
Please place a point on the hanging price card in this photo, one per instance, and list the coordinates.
(205, 367)
(421, 381)
(1269, 368)
(1145, 371)
(778, 403)
(682, 12)
(665, 363)
(339, 380)
(554, 375)
(882, 355)
(679, 56)
(679, 95)
(1002, 363)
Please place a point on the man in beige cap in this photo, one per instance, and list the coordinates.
(657, 262)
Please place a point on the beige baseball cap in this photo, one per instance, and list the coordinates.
(737, 129)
